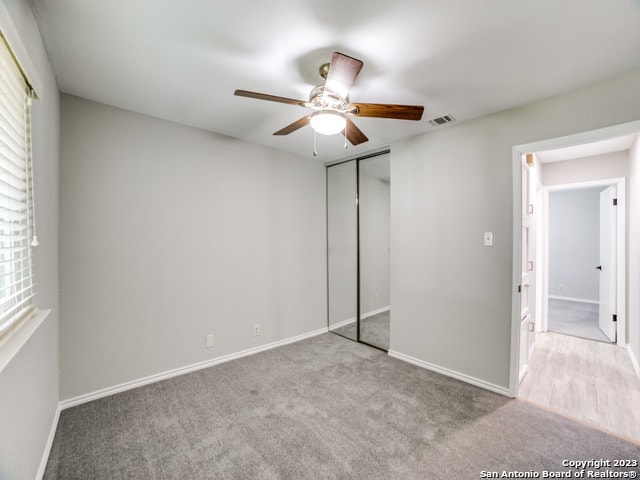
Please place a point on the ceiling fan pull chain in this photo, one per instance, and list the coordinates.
(315, 145)
(345, 135)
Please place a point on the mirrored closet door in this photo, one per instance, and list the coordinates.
(358, 214)
(342, 238)
(374, 181)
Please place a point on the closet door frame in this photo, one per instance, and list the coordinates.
(357, 161)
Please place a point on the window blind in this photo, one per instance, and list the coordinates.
(16, 195)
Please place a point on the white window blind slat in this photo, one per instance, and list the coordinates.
(24, 271)
(8, 216)
(14, 227)
(18, 269)
(14, 254)
(10, 176)
(14, 74)
(13, 196)
(10, 256)
(16, 183)
(7, 271)
(11, 240)
(11, 103)
(13, 151)
(17, 287)
(12, 91)
(9, 108)
(13, 169)
(12, 186)
(8, 303)
(9, 127)
(11, 130)
(11, 158)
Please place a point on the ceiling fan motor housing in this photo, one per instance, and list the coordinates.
(321, 99)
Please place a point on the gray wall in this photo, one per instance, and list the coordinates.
(451, 296)
(168, 233)
(633, 291)
(574, 243)
(29, 383)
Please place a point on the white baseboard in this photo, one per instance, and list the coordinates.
(375, 312)
(574, 299)
(634, 360)
(451, 373)
(49, 444)
(343, 323)
(105, 392)
(351, 320)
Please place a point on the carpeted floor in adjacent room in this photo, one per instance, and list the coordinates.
(579, 319)
(322, 408)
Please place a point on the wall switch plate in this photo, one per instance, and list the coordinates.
(488, 239)
(256, 330)
(208, 340)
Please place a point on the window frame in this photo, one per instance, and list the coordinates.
(17, 234)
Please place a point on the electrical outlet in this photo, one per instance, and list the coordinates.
(208, 340)
(561, 287)
(256, 330)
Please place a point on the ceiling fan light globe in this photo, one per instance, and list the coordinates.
(328, 123)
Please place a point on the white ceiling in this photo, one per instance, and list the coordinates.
(182, 60)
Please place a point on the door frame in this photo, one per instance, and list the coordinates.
(517, 152)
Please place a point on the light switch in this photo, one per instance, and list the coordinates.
(488, 239)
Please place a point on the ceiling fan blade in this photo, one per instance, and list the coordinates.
(384, 110)
(271, 98)
(354, 134)
(301, 122)
(343, 70)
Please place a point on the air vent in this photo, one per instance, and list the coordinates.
(443, 120)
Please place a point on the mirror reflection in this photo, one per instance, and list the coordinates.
(358, 222)
(374, 217)
(342, 248)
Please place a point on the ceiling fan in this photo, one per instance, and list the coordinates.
(331, 106)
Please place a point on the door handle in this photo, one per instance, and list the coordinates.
(599, 267)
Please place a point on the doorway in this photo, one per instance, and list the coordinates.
(582, 239)
(552, 153)
(558, 372)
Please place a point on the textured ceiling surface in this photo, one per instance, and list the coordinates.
(182, 60)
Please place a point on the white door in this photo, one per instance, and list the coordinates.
(527, 281)
(525, 311)
(607, 265)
